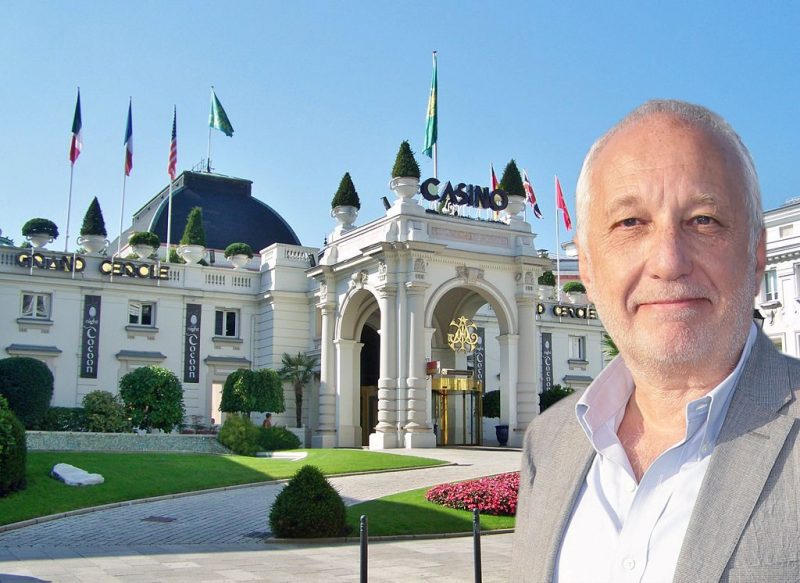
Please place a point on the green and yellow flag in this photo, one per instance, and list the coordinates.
(218, 119)
(431, 133)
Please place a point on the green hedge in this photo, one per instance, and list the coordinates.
(27, 384)
(13, 451)
(239, 435)
(105, 413)
(153, 398)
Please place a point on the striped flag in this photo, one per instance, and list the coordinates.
(129, 143)
(495, 183)
(432, 122)
(76, 144)
(173, 146)
(561, 204)
(530, 194)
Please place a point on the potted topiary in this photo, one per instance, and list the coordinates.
(238, 254)
(576, 292)
(491, 410)
(144, 243)
(40, 232)
(405, 173)
(93, 230)
(511, 182)
(547, 285)
(192, 246)
(345, 204)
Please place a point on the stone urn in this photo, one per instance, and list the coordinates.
(546, 292)
(404, 187)
(345, 215)
(239, 260)
(516, 204)
(93, 243)
(578, 298)
(39, 240)
(143, 251)
(192, 253)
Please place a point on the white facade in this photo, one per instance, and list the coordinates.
(779, 297)
(375, 305)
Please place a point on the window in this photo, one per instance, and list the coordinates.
(142, 314)
(777, 342)
(785, 231)
(770, 285)
(577, 347)
(226, 323)
(36, 305)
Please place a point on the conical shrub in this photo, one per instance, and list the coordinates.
(308, 507)
(511, 181)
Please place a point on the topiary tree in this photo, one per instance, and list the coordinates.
(144, 238)
(13, 451)
(547, 278)
(298, 370)
(238, 249)
(194, 233)
(93, 222)
(574, 287)
(39, 225)
(246, 391)
(153, 398)
(27, 384)
(308, 507)
(104, 413)
(405, 164)
(346, 194)
(511, 181)
(491, 404)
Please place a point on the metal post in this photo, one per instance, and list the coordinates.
(364, 537)
(476, 543)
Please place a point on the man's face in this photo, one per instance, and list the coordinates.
(666, 256)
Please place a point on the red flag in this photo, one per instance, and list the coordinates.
(562, 205)
(173, 146)
(77, 143)
(531, 195)
(129, 143)
(494, 178)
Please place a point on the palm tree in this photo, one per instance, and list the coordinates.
(298, 370)
(609, 346)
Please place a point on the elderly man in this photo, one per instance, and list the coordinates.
(680, 462)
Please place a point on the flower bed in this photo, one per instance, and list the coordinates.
(493, 495)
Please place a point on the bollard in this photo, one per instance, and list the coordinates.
(476, 543)
(364, 535)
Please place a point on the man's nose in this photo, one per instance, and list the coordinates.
(669, 256)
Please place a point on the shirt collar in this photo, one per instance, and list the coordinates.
(602, 405)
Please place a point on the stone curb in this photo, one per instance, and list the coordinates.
(79, 511)
(381, 538)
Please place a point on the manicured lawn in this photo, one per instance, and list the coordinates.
(409, 513)
(130, 476)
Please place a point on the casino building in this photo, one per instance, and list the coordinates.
(412, 316)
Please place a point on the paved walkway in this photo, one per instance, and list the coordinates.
(219, 536)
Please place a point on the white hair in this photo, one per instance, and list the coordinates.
(694, 116)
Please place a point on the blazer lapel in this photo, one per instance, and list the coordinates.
(751, 439)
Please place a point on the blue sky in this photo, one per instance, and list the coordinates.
(317, 88)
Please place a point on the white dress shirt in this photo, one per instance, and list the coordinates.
(622, 531)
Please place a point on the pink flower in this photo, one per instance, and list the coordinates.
(490, 495)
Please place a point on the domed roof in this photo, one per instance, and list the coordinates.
(230, 213)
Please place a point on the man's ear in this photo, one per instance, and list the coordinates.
(584, 269)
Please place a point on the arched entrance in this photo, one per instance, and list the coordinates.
(370, 371)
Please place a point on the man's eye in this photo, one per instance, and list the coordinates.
(703, 220)
(629, 222)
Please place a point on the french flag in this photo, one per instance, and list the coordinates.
(129, 143)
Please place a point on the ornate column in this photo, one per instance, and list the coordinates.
(325, 435)
(509, 367)
(385, 436)
(527, 396)
(418, 431)
(348, 384)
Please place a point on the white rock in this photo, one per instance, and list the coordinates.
(73, 476)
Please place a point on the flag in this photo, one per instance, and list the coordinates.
(432, 123)
(173, 146)
(560, 203)
(129, 143)
(218, 119)
(530, 194)
(77, 142)
(495, 184)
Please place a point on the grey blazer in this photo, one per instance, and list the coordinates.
(745, 525)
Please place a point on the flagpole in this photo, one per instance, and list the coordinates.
(69, 204)
(558, 246)
(208, 160)
(121, 214)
